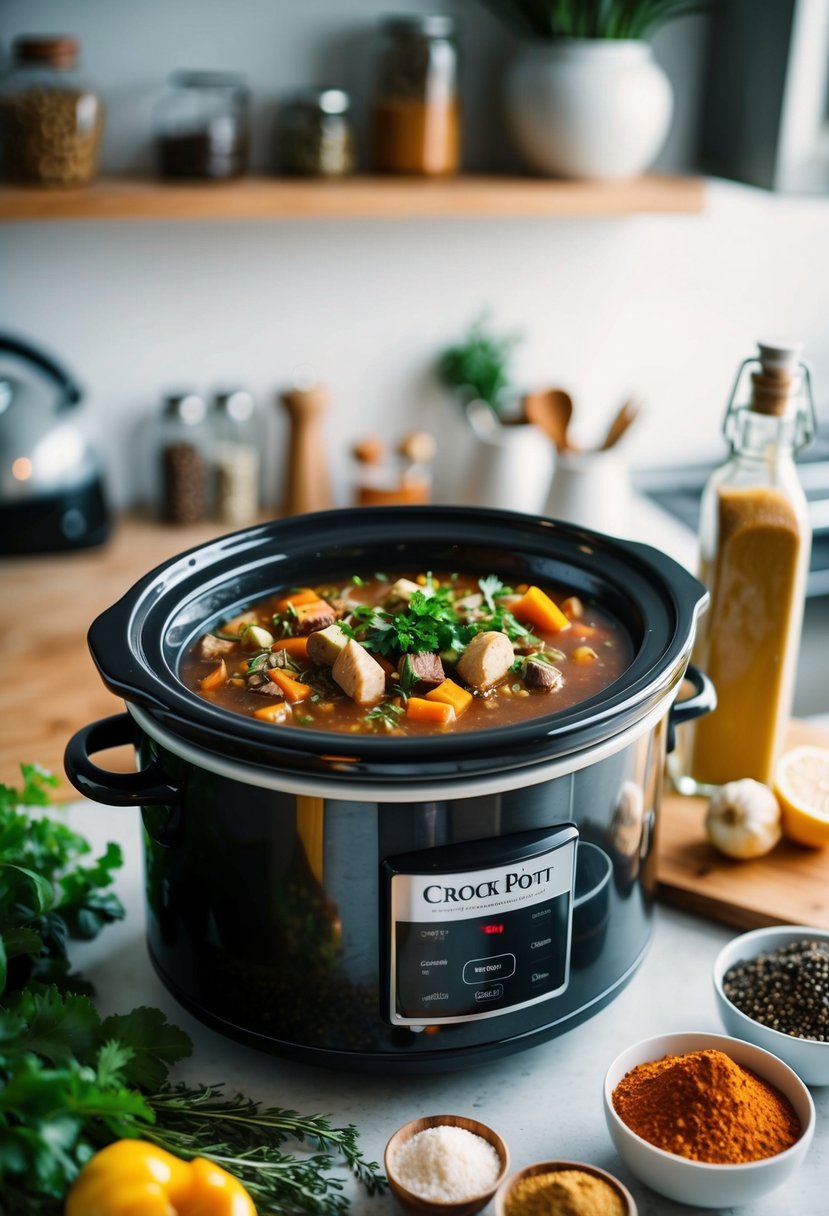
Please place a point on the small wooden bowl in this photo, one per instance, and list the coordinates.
(549, 1167)
(435, 1207)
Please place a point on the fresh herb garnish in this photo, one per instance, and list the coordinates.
(387, 715)
(71, 1082)
(429, 623)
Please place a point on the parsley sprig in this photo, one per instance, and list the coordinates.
(72, 1081)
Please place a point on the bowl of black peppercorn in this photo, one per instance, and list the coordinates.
(772, 989)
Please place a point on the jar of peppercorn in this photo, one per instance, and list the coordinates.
(315, 136)
(415, 114)
(183, 455)
(52, 120)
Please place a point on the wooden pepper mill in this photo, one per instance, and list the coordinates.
(307, 485)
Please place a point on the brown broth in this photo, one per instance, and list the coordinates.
(508, 702)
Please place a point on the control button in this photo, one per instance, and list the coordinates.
(540, 913)
(540, 946)
(540, 977)
(493, 993)
(427, 964)
(482, 970)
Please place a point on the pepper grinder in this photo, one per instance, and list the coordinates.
(307, 486)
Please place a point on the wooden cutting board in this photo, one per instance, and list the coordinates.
(788, 886)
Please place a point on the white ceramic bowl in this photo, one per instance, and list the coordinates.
(808, 1058)
(696, 1182)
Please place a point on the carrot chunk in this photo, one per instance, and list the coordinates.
(450, 693)
(536, 608)
(305, 596)
(294, 690)
(297, 648)
(421, 710)
(278, 712)
(216, 678)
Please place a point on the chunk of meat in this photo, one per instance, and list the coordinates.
(211, 647)
(486, 660)
(541, 676)
(425, 668)
(310, 618)
(358, 674)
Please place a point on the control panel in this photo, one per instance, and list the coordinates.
(479, 929)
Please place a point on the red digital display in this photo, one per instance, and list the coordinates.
(497, 927)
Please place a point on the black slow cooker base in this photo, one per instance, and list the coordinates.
(387, 1063)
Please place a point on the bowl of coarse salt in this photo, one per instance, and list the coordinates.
(445, 1165)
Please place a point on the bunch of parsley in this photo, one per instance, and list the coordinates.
(71, 1082)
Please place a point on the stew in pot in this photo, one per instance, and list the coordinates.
(408, 655)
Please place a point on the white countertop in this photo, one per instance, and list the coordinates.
(545, 1102)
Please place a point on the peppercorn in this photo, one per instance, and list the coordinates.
(785, 989)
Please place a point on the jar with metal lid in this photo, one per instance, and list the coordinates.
(415, 113)
(203, 126)
(236, 462)
(315, 136)
(52, 120)
(183, 454)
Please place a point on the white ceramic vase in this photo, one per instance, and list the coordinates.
(589, 108)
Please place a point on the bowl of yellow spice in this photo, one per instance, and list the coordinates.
(563, 1188)
(707, 1120)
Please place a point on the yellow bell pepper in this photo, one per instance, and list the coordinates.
(135, 1178)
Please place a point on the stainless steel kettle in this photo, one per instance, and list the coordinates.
(52, 494)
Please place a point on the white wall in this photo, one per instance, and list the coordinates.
(663, 306)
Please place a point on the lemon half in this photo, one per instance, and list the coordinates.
(801, 783)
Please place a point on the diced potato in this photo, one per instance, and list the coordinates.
(584, 654)
(326, 644)
(358, 674)
(254, 637)
(486, 660)
(403, 589)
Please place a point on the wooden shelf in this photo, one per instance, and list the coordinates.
(358, 197)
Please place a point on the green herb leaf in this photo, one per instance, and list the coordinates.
(154, 1042)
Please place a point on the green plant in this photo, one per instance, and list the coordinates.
(478, 367)
(72, 1081)
(614, 19)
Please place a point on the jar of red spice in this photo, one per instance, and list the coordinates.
(415, 113)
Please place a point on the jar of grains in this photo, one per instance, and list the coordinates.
(315, 137)
(415, 115)
(235, 457)
(183, 454)
(52, 121)
(203, 126)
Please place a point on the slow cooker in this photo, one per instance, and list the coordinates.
(384, 902)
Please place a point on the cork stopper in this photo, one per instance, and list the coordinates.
(778, 380)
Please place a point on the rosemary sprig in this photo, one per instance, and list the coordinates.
(245, 1138)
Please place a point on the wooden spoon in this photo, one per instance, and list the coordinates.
(622, 420)
(551, 410)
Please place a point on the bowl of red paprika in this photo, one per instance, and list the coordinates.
(707, 1120)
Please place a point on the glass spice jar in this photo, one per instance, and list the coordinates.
(315, 136)
(203, 126)
(52, 120)
(183, 458)
(235, 457)
(415, 113)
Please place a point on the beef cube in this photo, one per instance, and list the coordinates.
(310, 618)
(211, 647)
(541, 676)
(486, 660)
(268, 689)
(418, 669)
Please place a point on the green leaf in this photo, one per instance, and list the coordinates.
(156, 1045)
(59, 1027)
(42, 890)
(112, 1058)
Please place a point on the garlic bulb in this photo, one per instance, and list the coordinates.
(743, 819)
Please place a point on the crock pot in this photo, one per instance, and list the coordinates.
(384, 902)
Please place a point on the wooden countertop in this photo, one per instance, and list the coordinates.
(52, 688)
(47, 603)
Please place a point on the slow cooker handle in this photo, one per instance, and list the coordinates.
(148, 787)
(702, 702)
